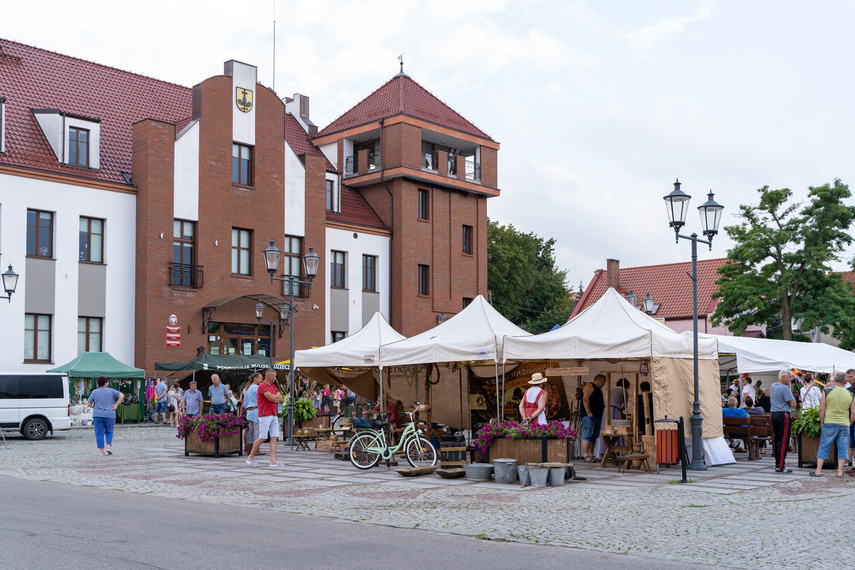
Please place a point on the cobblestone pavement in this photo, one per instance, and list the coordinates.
(742, 515)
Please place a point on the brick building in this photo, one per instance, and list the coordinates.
(125, 200)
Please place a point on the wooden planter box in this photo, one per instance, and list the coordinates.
(222, 445)
(809, 446)
(542, 450)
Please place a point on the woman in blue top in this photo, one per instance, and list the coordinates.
(104, 402)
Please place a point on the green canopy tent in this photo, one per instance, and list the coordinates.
(225, 362)
(94, 364)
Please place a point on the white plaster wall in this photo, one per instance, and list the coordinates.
(186, 205)
(330, 151)
(69, 203)
(2, 127)
(363, 244)
(295, 195)
(51, 125)
(243, 124)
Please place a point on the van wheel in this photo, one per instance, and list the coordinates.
(35, 429)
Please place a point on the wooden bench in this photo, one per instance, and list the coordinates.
(759, 431)
(628, 458)
(736, 429)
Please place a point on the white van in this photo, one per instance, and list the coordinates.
(34, 404)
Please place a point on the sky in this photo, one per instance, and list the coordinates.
(598, 106)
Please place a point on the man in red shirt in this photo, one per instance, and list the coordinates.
(269, 399)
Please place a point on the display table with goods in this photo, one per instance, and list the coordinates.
(212, 434)
(128, 413)
(526, 444)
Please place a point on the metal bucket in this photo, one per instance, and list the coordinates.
(505, 470)
(478, 471)
(522, 472)
(538, 475)
(556, 476)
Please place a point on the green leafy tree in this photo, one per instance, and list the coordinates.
(525, 285)
(780, 265)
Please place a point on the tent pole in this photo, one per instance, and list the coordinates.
(381, 402)
(503, 389)
(498, 402)
(460, 379)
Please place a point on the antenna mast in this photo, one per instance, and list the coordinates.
(274, 46)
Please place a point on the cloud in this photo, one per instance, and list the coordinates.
(648, 37)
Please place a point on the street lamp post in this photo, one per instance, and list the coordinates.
(310, 264)
(10, 282)
(283, 318)
(677, 203)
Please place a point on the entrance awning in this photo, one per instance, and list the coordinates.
(208, 310)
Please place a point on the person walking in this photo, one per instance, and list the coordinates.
(269, 399)
(782, 401)
(192, 401)
(836, 414)
(250, 405)
(104, 401)
(172, 406)
(592, 410)
(217, 393)
(160, 398)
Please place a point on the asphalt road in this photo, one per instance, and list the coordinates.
(51, 525)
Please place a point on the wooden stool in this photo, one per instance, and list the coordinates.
(628, 458)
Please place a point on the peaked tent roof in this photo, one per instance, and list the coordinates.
(472, 335)
(610, 328)
(95, 364)
(770, 355)
(402, 96)
(362, 348)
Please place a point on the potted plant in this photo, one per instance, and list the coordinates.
(212, 434)
(304, 411)
(809, 430)
(525, 443)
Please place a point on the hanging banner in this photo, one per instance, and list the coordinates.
(483, 393)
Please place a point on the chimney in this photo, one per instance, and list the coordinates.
(613, 273)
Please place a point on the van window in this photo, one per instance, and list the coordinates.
(41, 387)
(8, 387)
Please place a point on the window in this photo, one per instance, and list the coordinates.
(39, 233)
(37, 337)
(467, 239)
(88, 334)
(337, 269)
(467, 301)
(292, 263)
(239, 339)
(78, 146)
(183, 271)
(424, 280)
(337, 335)
(332, 197)
(424, 205)
(92, 240)
(2, 125)
(369, 273)
(241, 164)
(241, 240)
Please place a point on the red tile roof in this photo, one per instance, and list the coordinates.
(33, 78)
(668, 284)
(299, 141)
(402, 96)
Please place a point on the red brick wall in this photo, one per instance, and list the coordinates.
(489, 167)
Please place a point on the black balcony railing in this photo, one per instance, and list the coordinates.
(352, 166)
(186, 275)
(301, 290)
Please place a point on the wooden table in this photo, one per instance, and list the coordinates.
(612, 447)
(324, 433)
(303, 440)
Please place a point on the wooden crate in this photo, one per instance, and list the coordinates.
(452, 454)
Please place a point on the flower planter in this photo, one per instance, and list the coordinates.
(809, 446)
(540, 450)
(224, 444)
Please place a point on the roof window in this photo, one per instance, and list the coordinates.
(75, 140)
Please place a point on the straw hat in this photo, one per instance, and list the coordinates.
(537, 378)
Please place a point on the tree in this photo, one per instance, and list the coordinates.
(780, 264)
(525, 285)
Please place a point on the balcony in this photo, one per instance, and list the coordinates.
(301, 291)
(446, 164)
(186, 275)
(372, 160)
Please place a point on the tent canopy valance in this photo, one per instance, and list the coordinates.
(225, 362)
(95, 364)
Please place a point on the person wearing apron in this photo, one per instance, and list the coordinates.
(533, 403)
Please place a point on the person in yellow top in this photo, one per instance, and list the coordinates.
(836, 414)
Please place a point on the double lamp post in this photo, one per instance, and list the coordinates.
(311, 261)
(677, 204)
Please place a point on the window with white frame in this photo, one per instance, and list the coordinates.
(333, 197)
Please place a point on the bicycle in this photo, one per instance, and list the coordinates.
(370, 446)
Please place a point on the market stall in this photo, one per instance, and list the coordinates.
(617, 339)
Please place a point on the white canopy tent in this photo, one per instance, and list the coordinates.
(351, 359)
(474, 335)
(610, 330)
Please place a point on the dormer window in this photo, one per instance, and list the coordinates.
(78, 146)
(2, 125)
(73, 139)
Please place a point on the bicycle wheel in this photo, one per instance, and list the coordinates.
(420, 452)
(359, 452)
(337, 421)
